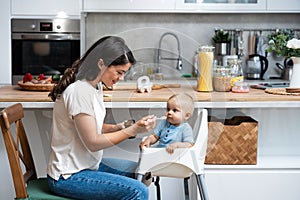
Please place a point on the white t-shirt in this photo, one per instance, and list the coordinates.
(68, 152)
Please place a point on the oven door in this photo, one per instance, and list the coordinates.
(43, 54)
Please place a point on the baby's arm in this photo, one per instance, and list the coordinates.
(171, 147)
(151, 139)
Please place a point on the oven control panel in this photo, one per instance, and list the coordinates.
(45, 25)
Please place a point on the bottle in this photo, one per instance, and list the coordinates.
(206, 59)
(236, 69)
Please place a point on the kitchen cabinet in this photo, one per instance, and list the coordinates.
(221, 5)
(34, 8)
(128, 5)
(287, 5)
(192, 6)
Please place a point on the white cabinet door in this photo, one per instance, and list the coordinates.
(280, 5)
(221, 5)
(127, 5)
(44, 8)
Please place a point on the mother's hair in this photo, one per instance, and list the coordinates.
(111, 49)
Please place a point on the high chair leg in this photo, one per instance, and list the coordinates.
(202, 187)
(186, 189)
(156, 183)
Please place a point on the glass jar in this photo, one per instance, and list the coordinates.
(240, 87)
(236, 70)
(206, 58)
(222, 79)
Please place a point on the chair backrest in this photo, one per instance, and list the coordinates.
(17, 147)
(201, 130)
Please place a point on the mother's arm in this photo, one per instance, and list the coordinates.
(87, 129)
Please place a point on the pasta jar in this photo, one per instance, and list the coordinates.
(206, 58)
(222, 79)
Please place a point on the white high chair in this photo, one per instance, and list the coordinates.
(183, 162)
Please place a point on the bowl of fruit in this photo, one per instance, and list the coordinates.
(38, 83)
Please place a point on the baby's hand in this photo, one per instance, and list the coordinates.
(171, 147)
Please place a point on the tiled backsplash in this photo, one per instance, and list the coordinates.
(143, 31)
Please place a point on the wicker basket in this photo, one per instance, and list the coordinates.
(232, 141)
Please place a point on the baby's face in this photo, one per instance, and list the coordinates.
(175, 114)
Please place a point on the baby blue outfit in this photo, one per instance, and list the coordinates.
(169, 133)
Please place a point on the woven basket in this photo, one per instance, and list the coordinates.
(232, 141)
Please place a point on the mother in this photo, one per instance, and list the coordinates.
(76, 168)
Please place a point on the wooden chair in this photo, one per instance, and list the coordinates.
(26, 184)
(183, 163)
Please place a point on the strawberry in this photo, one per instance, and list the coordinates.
(41, 77)
(27, 77)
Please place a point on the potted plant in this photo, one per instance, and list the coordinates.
(222, 40)
(277, 42)
(221, 36)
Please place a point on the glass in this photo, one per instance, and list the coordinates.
(149, 71)
(206, 58)
(48, 57)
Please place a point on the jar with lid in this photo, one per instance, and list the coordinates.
(236, 70)
(206, 58)
(240, 87)
(222, 79)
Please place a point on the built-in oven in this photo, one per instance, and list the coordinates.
(43, 46)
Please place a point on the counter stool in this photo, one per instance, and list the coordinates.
(183, 163)
(26, 184)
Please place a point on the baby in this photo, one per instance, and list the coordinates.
(174, 131)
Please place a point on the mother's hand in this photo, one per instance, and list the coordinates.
(145, 124)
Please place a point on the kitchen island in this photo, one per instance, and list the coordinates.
(278, 160)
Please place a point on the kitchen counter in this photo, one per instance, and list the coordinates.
(278, 157)
(123, 97)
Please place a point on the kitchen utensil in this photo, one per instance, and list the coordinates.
(270, 85)
(160, 86)
(293, 90)
(286, 69)
(250, 43)
(257, 66)
(241, 45)
(253, 43)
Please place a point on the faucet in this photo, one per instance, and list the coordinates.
(159, 57)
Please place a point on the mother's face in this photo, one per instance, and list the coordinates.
(111, 75)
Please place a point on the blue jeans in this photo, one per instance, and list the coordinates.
(113, 180)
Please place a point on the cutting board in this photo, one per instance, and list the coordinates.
(154, 87)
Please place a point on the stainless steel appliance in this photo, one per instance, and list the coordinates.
(286, 69)
(45, 46)
(257, 66)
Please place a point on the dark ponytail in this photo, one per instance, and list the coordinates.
(68, 78)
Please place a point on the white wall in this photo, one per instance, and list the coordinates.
(5, 69)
